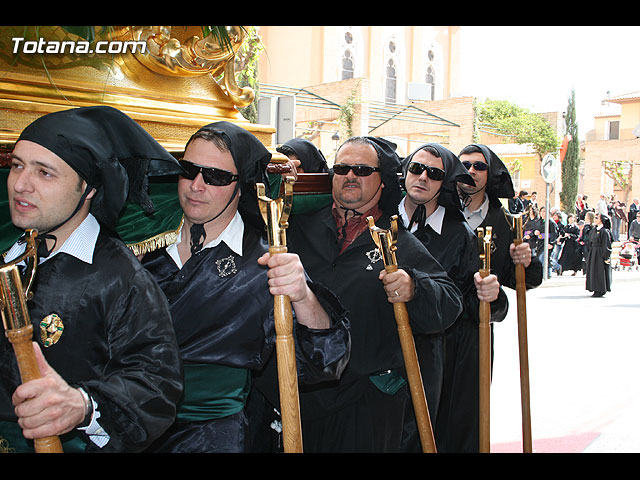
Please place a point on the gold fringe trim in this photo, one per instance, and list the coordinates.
(159, 241)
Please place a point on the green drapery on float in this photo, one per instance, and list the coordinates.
(144, 232)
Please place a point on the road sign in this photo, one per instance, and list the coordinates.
(549, 168)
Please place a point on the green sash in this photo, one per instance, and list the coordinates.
(213, 391)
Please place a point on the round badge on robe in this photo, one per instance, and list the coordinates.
(226, 266)
(373, 256)
(51, 328)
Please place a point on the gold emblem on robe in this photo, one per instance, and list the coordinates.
(51, 329)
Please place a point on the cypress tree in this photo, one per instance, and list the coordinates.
(571, 162)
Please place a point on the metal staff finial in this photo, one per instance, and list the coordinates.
(385, 240)
(484, 246)
(275, 213)
(17, 323)
(517, 226)
(15, 289)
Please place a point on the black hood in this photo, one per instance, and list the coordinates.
(251, 158)
(454, 172)
(499, 184)
(109, 150)
(311, 159)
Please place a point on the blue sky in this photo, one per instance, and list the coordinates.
(536, 67)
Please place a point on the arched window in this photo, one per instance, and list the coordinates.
(434, 69)
(391, 74)
(347, 65)
(390, 82)
(430, 80)
(350, 56)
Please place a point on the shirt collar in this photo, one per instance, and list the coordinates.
(434, 220)
(231, 236)
(80, 244)
(476, 217)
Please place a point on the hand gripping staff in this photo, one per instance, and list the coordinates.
(521, 297)
(484, 347)
(386, 243)
(275, 214)
(17, 324)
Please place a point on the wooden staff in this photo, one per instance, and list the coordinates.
(18, 327)
(521, 297)
(275, 214)
(484, 356)
(386, 242)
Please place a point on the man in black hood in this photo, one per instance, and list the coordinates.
(106, 347)
(221, 296)
(431, 210)
(364, 410)
(305, 156)
(482, 208)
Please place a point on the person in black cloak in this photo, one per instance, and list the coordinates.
(305, 156)
(110, 382)
(221, 294)
(364, 410)
(571, 256)
(482, 208)
(598, 269)
(431, 210)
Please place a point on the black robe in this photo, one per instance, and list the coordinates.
(118, 344)
(456, 249)
(530, 226)
(598, 271)
(223, 316)
(571, 256)
(503, 267)
(376, 356)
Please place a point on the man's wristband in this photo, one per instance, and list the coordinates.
(88, 408)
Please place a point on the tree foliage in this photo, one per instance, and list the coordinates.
(571, 162)
(246, 60)
(522, 126)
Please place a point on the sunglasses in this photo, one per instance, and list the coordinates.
(210, 175)
(479, 166)
(358, 170)
(433, 173)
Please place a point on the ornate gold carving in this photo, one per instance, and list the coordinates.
(51, 328)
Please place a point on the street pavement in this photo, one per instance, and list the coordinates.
(584, 358)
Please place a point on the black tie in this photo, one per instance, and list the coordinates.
(344, 226)
(42, 250)
(197, 237)
(419, 217)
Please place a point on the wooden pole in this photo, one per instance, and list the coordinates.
(521, 297)
(18, 327)
(484, 356)
(385, 240)
(275, 214)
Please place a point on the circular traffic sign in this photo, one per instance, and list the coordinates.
(549, 168)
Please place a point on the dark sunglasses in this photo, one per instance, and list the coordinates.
(479, 166)
(210, 175)
(358, 170)
(433, 173)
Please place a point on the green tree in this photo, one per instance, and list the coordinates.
(571, 162)
(518, 124)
